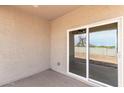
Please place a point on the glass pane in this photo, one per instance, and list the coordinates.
(77, 52)
(103, 51)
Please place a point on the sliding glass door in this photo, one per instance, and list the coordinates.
(103, 47)
(77, 52)
(95, 53)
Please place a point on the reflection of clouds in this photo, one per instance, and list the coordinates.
(104, 38)
(101, 38)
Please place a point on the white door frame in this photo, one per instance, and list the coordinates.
(120, 54)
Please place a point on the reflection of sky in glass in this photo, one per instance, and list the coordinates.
(103, 38)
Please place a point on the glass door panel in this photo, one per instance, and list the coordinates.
(77, 52)
(103, 44)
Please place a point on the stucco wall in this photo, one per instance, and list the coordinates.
(79, 17)
(24, 44)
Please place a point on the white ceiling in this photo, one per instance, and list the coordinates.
(49, 12)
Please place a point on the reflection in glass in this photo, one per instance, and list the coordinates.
(77, 52)
(103, 49)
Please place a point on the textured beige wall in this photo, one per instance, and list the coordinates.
(24, 44)
(79, 17)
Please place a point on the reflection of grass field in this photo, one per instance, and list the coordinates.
(102, 58)
(92, 46)
(102, 47)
